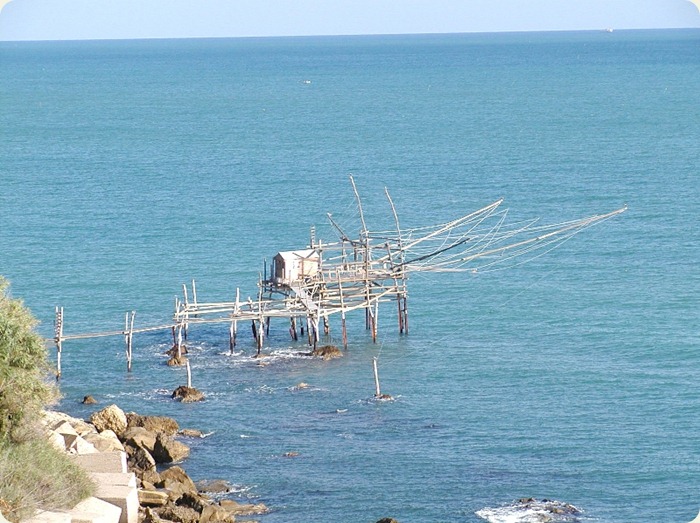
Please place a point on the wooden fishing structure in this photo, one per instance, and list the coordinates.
(307, 286)
(323, 279)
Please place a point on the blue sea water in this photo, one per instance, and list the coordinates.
(128, 168)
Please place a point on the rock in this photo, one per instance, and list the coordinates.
(150, 478)
(139, 460)
(150, 517)
(167, 450)
(194, 501)
(327, 352)
(77, 445)
(139, 437)
(178, 514)
(89, 400)
(216, 513)
(191, 433)
(177, 362)
(110, 418)
(153, 423)
(238, 509)
(173, 350)
(105, 441)
(214, 486)
(291, 454)
(153, 498)
(177, 475)
(387, 520)
(187, 394)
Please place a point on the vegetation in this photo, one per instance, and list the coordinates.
(33, 474)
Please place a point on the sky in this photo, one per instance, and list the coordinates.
(124, 19)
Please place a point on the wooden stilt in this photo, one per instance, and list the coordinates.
(231, 337)
(267, 326)
(179, 341)
(398, 303)
(189, 375)
(378, 392)
(293, 328)
(405, 314)
(129, 336)
(261, 334)
(375, 321)
(326, 326)
(345, 331)
(58, 330)
(308, 330)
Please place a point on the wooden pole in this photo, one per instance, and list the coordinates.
(345, 331)
(189, 375)
(326, 326)
(375, 321)
(179, 341)
(308, 330)
(378, 392)
(129, 335)
(194, 293)
(58, 330)
(235, 315)
(405, 313)
(231, 337)
(342, 314)
(293, 328)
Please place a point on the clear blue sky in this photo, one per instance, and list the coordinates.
(100, 19)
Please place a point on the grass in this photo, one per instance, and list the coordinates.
(34, 475)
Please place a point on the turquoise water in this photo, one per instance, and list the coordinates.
(129, 168)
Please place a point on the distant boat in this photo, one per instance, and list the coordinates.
(608, 30)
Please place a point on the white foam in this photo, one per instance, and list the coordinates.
(531, 512)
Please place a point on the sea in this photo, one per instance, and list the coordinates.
(130, 168)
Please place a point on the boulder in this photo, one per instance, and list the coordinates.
(187, 394)
(77, 445)
(173, 350)
(105, 441)
(167, 450)
(192, 433)
(89, 400)
(215, 486)
(150, 517)
(216, 513)
(153, 423)
(239, 509)
(327, 352)
(177, 362)
(139, 460)
(194, 501)
(176, 474)
(139, 437)
(178, 514)
(153, 498)
(387, 520)
(110, 418)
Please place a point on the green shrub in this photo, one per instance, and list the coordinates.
(24, 388)
(33, 474)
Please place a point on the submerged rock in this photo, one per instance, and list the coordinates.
(89, 400)
(327, 352)
(526, 510)
(187, 394)
(177, 362)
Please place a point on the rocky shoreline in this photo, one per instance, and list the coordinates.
(150, 447)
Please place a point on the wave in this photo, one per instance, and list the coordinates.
(529, 510)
